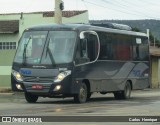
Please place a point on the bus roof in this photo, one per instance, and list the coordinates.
(83, 27)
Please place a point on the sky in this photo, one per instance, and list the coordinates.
(98, 9)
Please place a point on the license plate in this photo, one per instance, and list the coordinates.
(37, 86)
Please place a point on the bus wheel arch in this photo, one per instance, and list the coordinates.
(81, 97)
(130, 81)
(89, 93)
(84, 92)
(126, 93)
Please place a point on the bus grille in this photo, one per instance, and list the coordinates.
(38, 79)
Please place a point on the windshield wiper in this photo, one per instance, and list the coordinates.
(51, 56)
(48, 50)
(24, 52)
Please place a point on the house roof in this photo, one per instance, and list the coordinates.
(51, 13)
(12, 26)
(9, 26)
(64, 13)
(154, 51)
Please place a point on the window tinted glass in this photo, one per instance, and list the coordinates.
(141, 51)
(87, 49)
(30, 47)
(60, 47)
(115, 47)
(122, 47)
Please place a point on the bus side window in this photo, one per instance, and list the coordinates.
(106, 46)
(92, 47)
(140, 49)
(87, 49)
(122, 47)
(84, 51)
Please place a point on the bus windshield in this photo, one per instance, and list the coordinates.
(43, 47)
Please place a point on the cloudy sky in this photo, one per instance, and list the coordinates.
(98, 9)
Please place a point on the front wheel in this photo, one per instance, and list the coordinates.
(125, 94)
(30, 98)
(81, 97)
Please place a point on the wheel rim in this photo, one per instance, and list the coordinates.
(83, 93)
(127, 90)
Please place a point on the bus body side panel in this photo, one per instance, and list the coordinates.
(112, 75)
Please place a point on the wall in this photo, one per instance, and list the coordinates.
(158, 72)
(154, 74)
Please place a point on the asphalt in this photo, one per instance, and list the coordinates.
(8, 91)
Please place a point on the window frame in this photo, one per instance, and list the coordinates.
(82, 36)
(8, 45)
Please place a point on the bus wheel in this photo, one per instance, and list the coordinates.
(103, 93)
(81, 97)
(125, 94)
(30, 98)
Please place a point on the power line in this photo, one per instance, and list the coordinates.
(86, 7)
(139, 5)
(107, 7)
(125, 7)
(149, 2)
(125, 11)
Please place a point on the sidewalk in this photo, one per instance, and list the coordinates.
(5, 90)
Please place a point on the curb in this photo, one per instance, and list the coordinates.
(5, 90)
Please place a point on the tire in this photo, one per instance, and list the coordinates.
(30, 98)
(103, 93)
(125, 94)
(81, 97)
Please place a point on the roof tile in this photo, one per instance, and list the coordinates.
(64, 13)
(9, 26)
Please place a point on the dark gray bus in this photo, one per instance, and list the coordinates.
(75, 60)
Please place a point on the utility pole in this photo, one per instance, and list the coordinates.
(58, 11)
(154, 42)
(148, 32)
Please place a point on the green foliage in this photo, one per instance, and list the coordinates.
(136, 29)
(152, 37)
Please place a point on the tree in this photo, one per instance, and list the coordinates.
(151, 37)
(136, 29)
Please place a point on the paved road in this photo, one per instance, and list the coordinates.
(142, 103)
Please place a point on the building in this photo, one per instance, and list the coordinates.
(12, 27)
(155, 67)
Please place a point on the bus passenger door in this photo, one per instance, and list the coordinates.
(86, 55)
(88, 48)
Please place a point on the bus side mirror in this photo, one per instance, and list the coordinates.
(82, 36)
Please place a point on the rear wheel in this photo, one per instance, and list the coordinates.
(125, 94)
(103, 93)
(30, 98)
(82, 96)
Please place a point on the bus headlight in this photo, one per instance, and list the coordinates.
(17, 75)
(62, 75)
(19, 86)
(58, 87)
